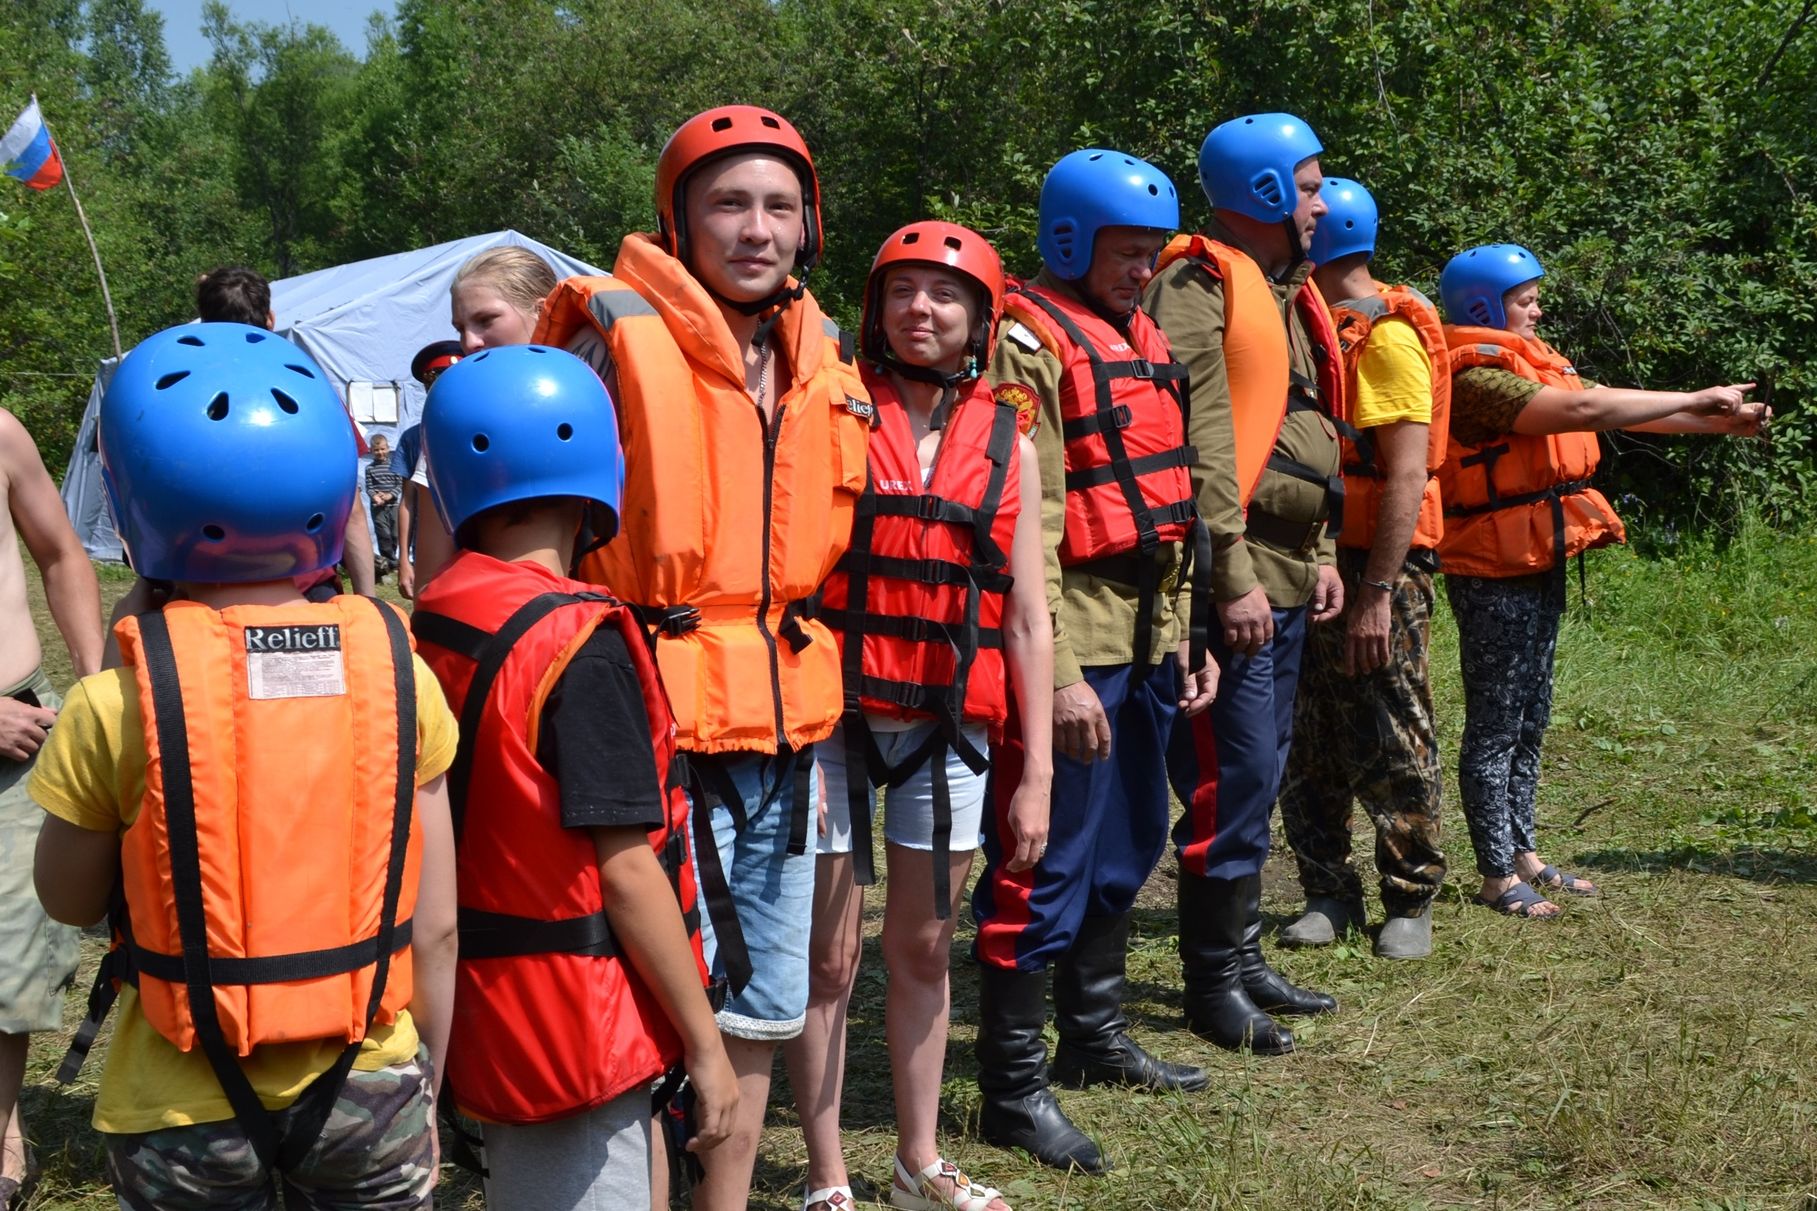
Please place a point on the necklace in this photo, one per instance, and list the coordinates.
(763, 373)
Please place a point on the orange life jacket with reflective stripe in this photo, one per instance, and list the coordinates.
(550, 1018)
(1258, 362)
(729, 523)
(271, 873)
(1521, 503)
(1355, 319)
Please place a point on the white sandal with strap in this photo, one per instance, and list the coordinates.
(834, 1198)
(918, 1192)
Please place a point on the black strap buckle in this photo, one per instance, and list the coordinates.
(1121, 417)
(677, 620)
(1141, 367)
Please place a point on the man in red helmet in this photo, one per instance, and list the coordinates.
(744, 425)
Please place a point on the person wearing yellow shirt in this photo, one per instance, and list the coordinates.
(286, 971)
(1363, 728)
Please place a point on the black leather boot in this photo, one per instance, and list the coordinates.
(1269, 989)
(1018, 1109)
(1212, 916)
(1095, 1047)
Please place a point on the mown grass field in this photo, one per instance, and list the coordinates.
(1656, 1048)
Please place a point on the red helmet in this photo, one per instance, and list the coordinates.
(948, 246)
(723, 131)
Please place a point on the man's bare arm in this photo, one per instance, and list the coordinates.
(69, 578)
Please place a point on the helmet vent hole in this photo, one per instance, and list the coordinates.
(770, 122)
(314, 523)
(721, 124)
(284, 401)
(213, 533)
(482, 357)
(1095, 156)
(190, 340)
(913, 237)
(481, 442)
(1153, 192)
(217, 407)
(253, 338)
(305, 371)
(172, 379)
(536, 349)
(564, 431)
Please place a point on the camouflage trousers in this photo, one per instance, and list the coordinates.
(376, 1151)
(1368, 739)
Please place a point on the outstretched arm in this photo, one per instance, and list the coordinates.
(1594, 409)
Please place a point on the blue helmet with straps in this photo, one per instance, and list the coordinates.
(227, 457)
(1092, 189)
(521, 422)
(1247, 164)
(1474, 281)
(1349, 223)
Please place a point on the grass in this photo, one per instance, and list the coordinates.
(1656, 1048)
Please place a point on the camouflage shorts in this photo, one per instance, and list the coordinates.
(377, 1151)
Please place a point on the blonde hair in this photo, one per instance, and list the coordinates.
(519, 275)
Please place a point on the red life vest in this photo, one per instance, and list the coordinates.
(1363, 477)
(917, 600)
(1123, 409)
(1521, 503)
(549, 1019)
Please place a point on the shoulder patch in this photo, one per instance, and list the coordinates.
(863, 409)
(1022, 335)
(1026, 403)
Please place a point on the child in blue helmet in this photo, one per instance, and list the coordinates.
(263, 781)
(581, 980)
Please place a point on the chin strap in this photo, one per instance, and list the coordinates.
(948, 382)
(779, 300)
(1296, 248)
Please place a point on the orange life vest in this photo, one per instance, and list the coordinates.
(1258, 364)
(549, 1018)
(729, 523)
(270, 876)
(1520, 504)
(1363, 478)
(917, 602)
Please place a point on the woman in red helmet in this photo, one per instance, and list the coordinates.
(941, 612)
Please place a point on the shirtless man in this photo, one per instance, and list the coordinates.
(37, 956)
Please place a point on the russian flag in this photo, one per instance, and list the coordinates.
(28, 152)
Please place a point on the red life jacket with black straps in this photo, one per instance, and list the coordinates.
(549, 1018)
(1123, 402)
(917, 600)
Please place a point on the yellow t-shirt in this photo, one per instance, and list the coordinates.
(91, 772)
(1393, 377)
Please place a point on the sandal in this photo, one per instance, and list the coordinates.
(918, 1191)
(833, 1198)
(1519, 901)
(1550, 878)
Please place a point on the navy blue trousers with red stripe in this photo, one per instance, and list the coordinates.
(1226, 763)
(1107, 830)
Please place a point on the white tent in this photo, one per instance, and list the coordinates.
(362, 322)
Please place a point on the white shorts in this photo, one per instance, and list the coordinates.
(908, 818)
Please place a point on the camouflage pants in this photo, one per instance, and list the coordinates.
(376, 1151)
(1368, 739)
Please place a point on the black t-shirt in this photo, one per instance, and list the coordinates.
(595, 739)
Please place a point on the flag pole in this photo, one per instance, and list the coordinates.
(107, 297)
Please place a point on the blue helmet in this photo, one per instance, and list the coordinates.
(1247, 164)
(1475, 280)
(1092, 189)
(1349, 223)
(521, 422)
(227, 457)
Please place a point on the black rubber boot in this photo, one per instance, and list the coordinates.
(1269, 989)
(1018, 1109)
(1212, 916)
(1095, 1047)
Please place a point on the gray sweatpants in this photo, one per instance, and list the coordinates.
(595, 1161)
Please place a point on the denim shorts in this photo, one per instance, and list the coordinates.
(772, 891)
(908, 818)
